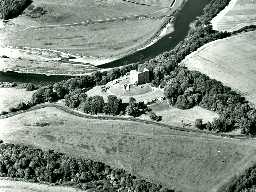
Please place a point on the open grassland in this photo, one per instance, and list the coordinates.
(96, 32)
(191, 162)
(11, 97)
(20, 186)
(231, 61)
(238, 14)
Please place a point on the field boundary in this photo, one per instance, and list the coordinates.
(132, 119)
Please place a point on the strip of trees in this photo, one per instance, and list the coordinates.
(35, 165)
(96, 104)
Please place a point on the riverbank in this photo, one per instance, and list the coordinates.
(76, 65)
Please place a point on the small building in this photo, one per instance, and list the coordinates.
(139, 77)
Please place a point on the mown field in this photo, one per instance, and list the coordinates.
(11, 97)
(187, 161)
(238, 14)
(231, 61)
(20, 186)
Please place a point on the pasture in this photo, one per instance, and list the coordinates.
(96, 32)
(186, 161)
(231, 61)
(11, 97)
(238, 14)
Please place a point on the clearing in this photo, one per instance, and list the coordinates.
(142, 93)
(238, 14)
(231, 61)
(11, 97)
(178, 117)
(187, 161)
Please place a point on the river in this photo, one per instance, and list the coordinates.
(190, 11)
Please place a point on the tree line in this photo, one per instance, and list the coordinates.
(96, 104)
(36, 165)
(186, 89)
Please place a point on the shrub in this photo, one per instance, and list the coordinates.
(30, 87)
(199, 123)
(4, 113)
(154, 117)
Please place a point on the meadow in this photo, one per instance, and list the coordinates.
(96, 32)
(231, 61)
(185, 161)
(238, 14)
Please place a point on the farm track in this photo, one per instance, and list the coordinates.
(106, 20)
(102, 117)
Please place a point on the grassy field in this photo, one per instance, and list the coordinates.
(20, 186)
(231, 61)
(187, 161)
(238, 14)
(99, 31)
(11, 97)
(182, 118)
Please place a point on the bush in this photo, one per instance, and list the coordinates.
(30, 87)
(4, 113)
(199, 123)
(154, 117)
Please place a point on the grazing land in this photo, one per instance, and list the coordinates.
(184, 160)
(11, 97)
(20, 186)
(238, 14)
(231, 61)
(96, 32)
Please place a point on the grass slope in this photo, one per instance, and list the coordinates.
(186, 161)
(231, 61)
(238, 14)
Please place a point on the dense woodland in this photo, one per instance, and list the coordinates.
(35, 165)
(12, 8)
